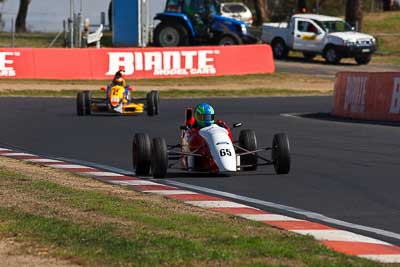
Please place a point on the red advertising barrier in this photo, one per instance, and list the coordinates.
(64, 63)
(365, 95)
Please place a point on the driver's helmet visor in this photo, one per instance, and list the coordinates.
(205, 117)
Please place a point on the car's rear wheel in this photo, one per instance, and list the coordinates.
(88, 102)
(280, 153)
(156, 96)
(169, 35)
(80, 104)
(159, 158)
(248, 141)
(141, 153)
(279, 49)
(230, 39)
(331, 55)
(151, 106)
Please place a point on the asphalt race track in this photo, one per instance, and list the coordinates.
(346, 171)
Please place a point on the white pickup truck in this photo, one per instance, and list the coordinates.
(312, 34)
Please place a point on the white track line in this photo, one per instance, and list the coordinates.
(382, 258)
(68, 166)
(308, 214)
(44, 161)
(216, 204)
(100, 174)
(339, 235)
(267, 217)
(15, 154)
(170, 192)
(132, 182)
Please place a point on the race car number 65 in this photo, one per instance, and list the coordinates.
(225, 152)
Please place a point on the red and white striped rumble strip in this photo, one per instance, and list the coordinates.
(339, 240)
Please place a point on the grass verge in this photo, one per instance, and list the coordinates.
(90, 223)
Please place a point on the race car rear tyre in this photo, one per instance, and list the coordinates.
(248, 141)
(156, 96)
(159, 158)
(151, 104)
(88, 102)
(280, 153)
(141, 153)
(80, 104)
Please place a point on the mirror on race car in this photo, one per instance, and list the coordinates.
(237, 125)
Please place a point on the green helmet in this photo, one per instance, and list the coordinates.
(204, 115)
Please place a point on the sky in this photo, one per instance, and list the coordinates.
(48, 15)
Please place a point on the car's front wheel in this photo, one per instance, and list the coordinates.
(88, 102)
(141, 153)
(331, 55)
(248, 141)
(280, 153)
(159, 158)
(80, 104)
(363, 59)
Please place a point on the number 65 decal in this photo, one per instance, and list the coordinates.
(225, 152)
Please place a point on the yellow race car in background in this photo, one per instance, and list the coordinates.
(117, 101)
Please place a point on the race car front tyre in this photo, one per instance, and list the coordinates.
(280, 153)
(159, 158)
(248, 141)
(151, 104)
(88, 102)
(141, 149)
(80, 104)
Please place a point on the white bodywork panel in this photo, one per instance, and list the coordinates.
(220, 146)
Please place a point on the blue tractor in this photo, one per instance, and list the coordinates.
(197, 22)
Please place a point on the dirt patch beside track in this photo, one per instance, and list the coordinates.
(11, 255)
(275, 81)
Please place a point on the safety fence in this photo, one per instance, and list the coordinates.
(367, 95)
(82, 64)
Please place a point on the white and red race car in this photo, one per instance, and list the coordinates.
(210, 149)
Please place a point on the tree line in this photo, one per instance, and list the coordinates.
(266, 10)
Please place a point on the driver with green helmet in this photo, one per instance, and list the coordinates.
(204, 116)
